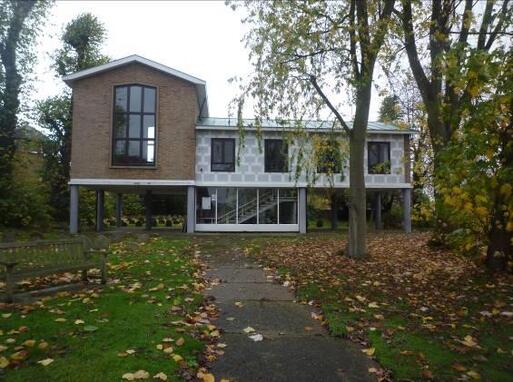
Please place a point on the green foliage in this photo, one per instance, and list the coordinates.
(82, 40)
(54, 115)
(20, 23)
(26, 205)
(390, 109)
(475, 179)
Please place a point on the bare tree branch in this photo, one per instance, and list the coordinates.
(339, 117)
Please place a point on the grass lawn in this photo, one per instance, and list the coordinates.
(424, 314)
(149, 317)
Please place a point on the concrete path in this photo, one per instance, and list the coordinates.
(294, 347)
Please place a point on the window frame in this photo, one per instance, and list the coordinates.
(232, 168)
(369, 167)
(126, 138)
(284, 152)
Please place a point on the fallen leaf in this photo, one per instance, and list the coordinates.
(248, 330)
(45, 362)
(180, 341)
(4, 362)
(29, 343)
(208, 378)
(256, 337)
(90, 328)
(369, 351)
(160, 376)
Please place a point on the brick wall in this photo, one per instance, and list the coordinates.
(177, 110)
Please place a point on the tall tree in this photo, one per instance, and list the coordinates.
(304, 54)
(443, 45)
(390, 109)
(476, 177)
(20, 23)
(82, 40)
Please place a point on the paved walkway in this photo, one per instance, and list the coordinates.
(294, 347)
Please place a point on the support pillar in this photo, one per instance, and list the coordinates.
(147, 207)
(191, 208)
(73, 209)
(100, 212)
(378, 223)
(302, 210)
(407, 210)
(119, 209)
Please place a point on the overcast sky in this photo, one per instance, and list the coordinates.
(202, 38)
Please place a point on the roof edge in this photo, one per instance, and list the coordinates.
(134, 58)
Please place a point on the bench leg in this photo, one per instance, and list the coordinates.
(84, 275)
(104, 268)
(10, 284)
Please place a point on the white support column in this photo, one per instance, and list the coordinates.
(119, 209)
(100, 197)
(73, 209)
(191, 208)
(407, 210)
(302, 210)
(378, 223)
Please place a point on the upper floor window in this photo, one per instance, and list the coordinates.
(379, 157)
(329, 157)
(134, 126)
(223, 154)
(276, 156)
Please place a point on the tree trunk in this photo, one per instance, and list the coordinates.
(499, 241)
(357, 243)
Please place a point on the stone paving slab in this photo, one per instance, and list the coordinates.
(290, 358)
(250, 291)
(268, 317)
(237, 275)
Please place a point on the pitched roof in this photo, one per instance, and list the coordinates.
(199, 83)
(231, 123)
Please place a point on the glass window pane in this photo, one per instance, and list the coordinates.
(384, 152)
(121, 99)
(217, 151)
(268, 206)
(247, 206)
(206, 205)
(134, 124)
(120, 147)
(229, 151)
(134, 148)
(276, 155)
(226, 205)
(120, 126)
(149, 100)
(149, 126)
(149, 151)
(288, 206)
(135, 98)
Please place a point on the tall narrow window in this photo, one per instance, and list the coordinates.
(276, 156)
(134, 126)
(379, 157)
(223, 154)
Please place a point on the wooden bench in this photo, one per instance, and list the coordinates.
(27, 260)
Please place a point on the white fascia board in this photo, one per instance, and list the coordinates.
(388, 186)
(274, 129)
(129, 182)
(246, 227)
(127, 60)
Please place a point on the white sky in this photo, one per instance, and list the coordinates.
(202, 38)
